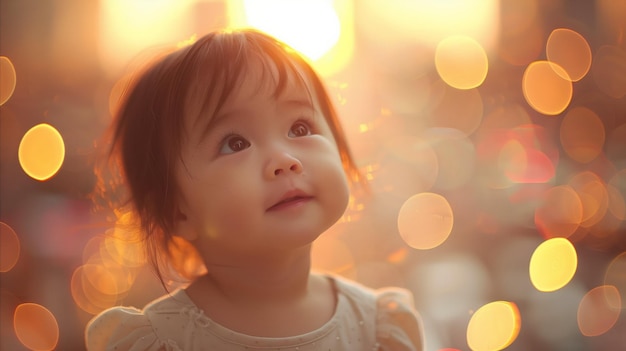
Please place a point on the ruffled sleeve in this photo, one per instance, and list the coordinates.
(122, 329)
(399, 326)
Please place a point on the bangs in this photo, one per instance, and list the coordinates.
(226, 60)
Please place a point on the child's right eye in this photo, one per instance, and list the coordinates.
(234, 143)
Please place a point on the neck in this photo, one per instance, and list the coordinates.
(264, 279)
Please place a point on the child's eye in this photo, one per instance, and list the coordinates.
(299, 129)
(234, 143)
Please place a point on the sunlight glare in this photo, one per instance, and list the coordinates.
(297, 23)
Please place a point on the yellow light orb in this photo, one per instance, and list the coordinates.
(553, 264)
(41, 152)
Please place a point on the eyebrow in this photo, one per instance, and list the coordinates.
(298, 102)
(292, 102)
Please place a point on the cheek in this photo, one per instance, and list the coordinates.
(336, 182)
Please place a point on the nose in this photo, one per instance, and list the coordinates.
(283, 163)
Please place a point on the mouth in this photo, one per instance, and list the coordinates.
(289, 200)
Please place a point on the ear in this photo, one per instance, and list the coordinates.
(184, 227)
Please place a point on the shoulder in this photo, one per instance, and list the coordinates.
(125, 328)
(398, 325)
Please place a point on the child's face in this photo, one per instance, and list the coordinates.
(266, 177)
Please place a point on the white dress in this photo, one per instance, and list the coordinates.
(364, 319)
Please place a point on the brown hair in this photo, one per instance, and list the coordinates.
(144, 142)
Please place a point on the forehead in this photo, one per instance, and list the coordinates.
(268, 78)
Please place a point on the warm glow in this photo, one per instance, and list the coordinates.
(425, 221)
(89, 296)
(7, 79)
(599, 310)
(553, 264)
(570, 51)
(41, 152)
(429, 22)
(321, 30)
(461, 62)
(129, 27)
(298, 23)
(494, 326)
(36, 327)
(524, 48)
(330, 254)
(455, 156)
(9, 247)
(545, 89)
(123, 246)
(582, 134)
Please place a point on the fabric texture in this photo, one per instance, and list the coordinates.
(364, 319)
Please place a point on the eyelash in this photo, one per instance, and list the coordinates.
(232, 135)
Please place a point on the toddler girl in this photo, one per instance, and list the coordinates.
(232, 145)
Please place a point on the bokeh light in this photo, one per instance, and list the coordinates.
(559, 213)
(616, 277)
(425, 220)
(570, 51)
(41, 152)
(461, 62)
(93, 288)
(553, 264)
(493, 326)
(617, 195)
(9, 247)
(491, 134)
(582, 134)
(7, 79)
(599, 310)
(593, 195)
(36, 327)
(545, 88)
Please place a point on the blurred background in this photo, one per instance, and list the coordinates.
(492, 132)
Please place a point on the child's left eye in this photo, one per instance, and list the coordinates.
(299, 129)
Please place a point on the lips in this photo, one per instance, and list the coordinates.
(292, 198)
